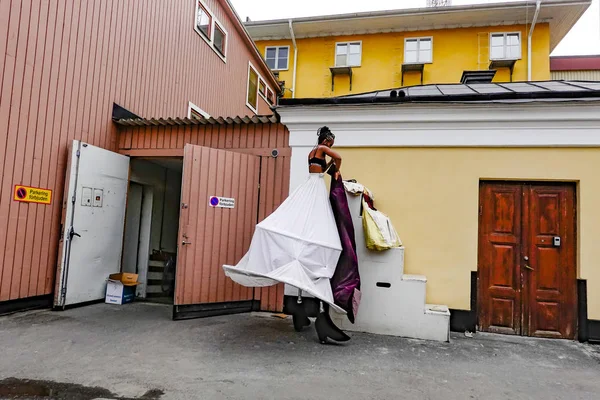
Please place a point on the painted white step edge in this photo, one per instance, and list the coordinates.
(437, 309)
(419, 278)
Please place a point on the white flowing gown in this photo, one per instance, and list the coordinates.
(298, 244)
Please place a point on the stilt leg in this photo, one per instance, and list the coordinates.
(299, 316)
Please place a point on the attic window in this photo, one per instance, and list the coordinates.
(220, 39)
(270, 96)
(203, 21)
(252, 88)
(211, 30)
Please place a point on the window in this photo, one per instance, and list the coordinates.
(220, 39)
(348, 54)
(203, 20)
(505, 46)
(418, 50)
(211, 30)
(196, 112)
(252, 95)
(278, 57)
(262, 88)
(270, 96)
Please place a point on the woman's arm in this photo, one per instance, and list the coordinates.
(335, 156)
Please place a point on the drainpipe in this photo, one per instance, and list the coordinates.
(295, 59)
(538, 5)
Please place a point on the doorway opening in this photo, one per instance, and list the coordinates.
(152, 225)
(526, 259)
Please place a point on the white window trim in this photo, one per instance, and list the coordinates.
(274, 97)
(505, 34)
(221, 27)
(419, 38)
(213, 21)
(264, 96)
(347, 43)
(192, 106)
(276, 54)
(258, 95)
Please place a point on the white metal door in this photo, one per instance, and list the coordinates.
(92, 223)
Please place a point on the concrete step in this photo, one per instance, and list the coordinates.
(393, 303)
(156, 264)
(154, 289)
(155, 275)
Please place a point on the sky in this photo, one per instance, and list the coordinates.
(584, 38)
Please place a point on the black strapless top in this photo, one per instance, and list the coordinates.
(318, 161)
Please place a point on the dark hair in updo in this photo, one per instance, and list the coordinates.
(325, 134)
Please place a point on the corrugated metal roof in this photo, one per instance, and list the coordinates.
(256, 119)
(514, 91)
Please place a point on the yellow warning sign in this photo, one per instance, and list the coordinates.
(33, 195)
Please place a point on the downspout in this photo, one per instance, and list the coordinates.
(538, 5)
(295, 59)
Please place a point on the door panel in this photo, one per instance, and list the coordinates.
(210, 237)
(92, 223)
(552, 281)
(500, 248)
(527, 283)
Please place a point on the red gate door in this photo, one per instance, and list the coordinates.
(219, 211)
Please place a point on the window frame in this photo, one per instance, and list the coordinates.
(214, 24)
(262, 82)
(347, 54)
(259, 78)
(504, 36)
(287, 67)
(218, 25)
(418, 39)
(194, 108)
(207, 38)
(270, 96)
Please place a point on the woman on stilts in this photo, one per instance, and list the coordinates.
(299, 243)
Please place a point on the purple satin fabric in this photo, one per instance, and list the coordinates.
(345, 282)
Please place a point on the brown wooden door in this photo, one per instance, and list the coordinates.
(527, 281)
(212, 236)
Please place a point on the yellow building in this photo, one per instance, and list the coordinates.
(337, 55)
(494, 191)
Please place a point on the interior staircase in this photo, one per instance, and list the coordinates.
(393, 303)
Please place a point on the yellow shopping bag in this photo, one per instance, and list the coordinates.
(379, 232)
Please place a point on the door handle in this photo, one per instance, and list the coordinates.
(526, 258)
(183, 242)
(73, 233)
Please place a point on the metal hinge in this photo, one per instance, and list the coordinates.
(480, 210)
(73, 199)
(78, 153)
(63, 292)
(259, 185)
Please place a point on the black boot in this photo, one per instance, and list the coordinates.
(327, 329)
(300, 319)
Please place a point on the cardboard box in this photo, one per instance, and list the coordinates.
(120, 288)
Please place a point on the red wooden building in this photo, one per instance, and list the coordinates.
(71, 73)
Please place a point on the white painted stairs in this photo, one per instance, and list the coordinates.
(393, 303)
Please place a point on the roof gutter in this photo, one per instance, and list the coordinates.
(538, 6)
(295, 59)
